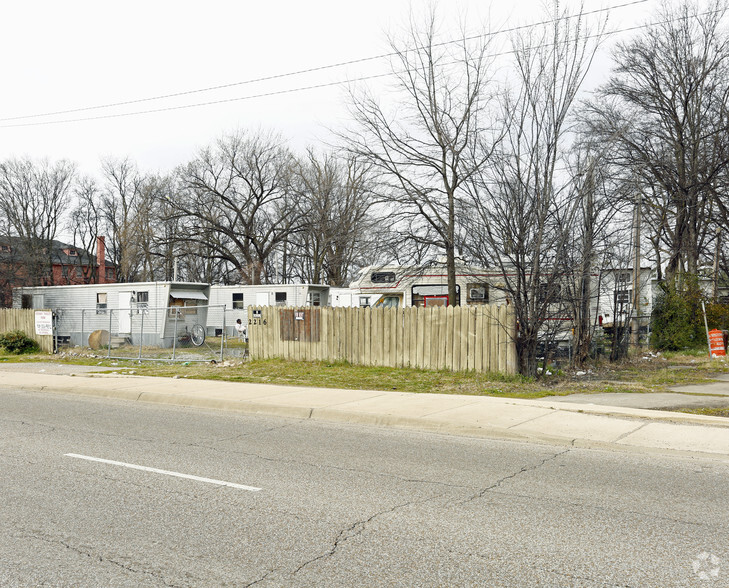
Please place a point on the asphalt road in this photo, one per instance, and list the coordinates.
(337, 505)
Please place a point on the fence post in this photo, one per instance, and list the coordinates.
(174, 336)
(222, 335)
(111, 312)
(141, 335)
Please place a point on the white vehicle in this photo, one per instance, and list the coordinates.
(398, 286)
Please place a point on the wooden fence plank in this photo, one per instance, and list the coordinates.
(427, 323)
(394, 314)
(478, 347)
(435, 337)
(456, 363)
(449, 339)
(465, 313)
(511, 362)
(386, 332)
(412, 327)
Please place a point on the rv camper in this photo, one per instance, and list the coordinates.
(397, 286)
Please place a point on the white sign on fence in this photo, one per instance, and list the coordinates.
(43, 322)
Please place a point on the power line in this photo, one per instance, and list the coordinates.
(300, 72)
(294, 90)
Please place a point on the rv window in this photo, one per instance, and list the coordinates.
(421, 291)
(478, 293)
(382, 277)
(101, 303)
(364, 301)
(280, 298)
(190, 306)
(238, 300)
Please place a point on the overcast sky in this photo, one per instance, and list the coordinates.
(60, 56)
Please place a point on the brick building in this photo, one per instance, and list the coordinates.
(27, 264)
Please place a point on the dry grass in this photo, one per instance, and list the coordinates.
(639, 374)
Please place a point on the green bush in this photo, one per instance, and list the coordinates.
(717, 316)
(17, 342)
(677, 320)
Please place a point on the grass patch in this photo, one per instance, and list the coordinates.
(719, 412)
(641, 373)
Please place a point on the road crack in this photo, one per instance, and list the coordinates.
(99, 558)
(261, 579)
(356, 529)
(523, 470)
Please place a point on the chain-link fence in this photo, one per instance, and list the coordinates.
(173, 333)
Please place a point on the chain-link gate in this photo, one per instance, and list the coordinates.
(173, 333)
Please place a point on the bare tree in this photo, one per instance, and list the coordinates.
(522, 206)
(335, 196)
(431, 144)
(667, 103)
(235, 198)
(121, 197)
(599, 234)
(84, 222)
(34, 197)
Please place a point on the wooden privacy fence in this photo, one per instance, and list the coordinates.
(17, 319)
(460, 338)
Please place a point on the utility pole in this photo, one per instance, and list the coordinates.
(635, 323)
(715, 293)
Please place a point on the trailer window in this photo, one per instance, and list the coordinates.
(142, 300)
(101, 303)
(280, 298)
(238, 300)
(623, 297)
(314, 299)
(174, 307)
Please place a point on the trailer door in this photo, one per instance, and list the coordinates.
(125, 313)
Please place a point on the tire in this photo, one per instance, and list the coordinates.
(197, 335)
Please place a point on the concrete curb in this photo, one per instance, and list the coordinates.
(587, 426)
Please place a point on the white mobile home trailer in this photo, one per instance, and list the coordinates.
(238, 298)
(134, 311)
